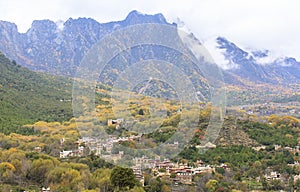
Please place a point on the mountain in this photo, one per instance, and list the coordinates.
(27, 96)
(248, 66)
(58, 48)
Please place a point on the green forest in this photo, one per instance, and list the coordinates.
(27, 97)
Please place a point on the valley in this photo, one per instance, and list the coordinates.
(53, 135)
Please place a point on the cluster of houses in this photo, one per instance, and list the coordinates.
(100, 147)
(104, 148)
(278, 148)
(273, 175)
(72, 153)
(290, 108)
(179, 172)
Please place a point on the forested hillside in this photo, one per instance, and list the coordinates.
(26, 97)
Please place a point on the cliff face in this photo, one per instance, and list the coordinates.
(58, 49)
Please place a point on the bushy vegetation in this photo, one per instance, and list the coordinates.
(268, 135)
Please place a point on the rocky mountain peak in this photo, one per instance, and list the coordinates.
(135, 17)
(231, 50)
(8, 26)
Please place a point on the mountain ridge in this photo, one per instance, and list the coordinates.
(59, 48)
(45, 47)
(246, 65)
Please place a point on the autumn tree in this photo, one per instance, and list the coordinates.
(101, 179)
(123, 178)
(39, 170)
(212, 185)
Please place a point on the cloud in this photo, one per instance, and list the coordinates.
(267, 60)
(257, 24)
(218, 55)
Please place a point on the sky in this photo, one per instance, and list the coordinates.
(251, 24)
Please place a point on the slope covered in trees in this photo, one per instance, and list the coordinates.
(27, 96)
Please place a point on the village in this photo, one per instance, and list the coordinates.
(269, 108)
(177, 172)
